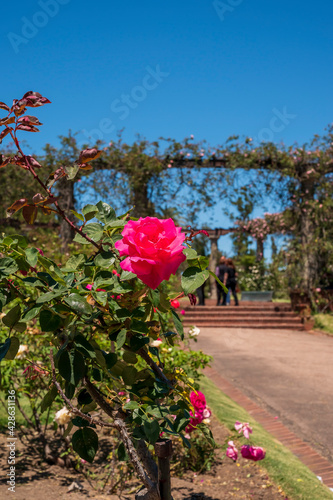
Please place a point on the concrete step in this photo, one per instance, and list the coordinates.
(255, 326)
(229, 321)
(241, 314)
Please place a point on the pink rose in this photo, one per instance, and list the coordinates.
(175, 303)
(89, 287)
(244, 428)
(183, 312)
(198, 401)
(253, 452)
(153, 249)
(232, 451)
(194, 422)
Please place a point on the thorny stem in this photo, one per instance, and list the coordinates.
(51, 195)
(119, 417)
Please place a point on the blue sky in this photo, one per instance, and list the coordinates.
(212, 69)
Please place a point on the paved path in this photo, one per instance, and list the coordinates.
(289, 373)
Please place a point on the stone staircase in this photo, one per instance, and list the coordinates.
(268, 315)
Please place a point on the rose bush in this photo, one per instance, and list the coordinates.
(94, 316)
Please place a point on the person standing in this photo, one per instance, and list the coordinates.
(230, 281)
(221, 272)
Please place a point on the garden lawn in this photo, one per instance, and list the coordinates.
(324, 322)
(296, 480)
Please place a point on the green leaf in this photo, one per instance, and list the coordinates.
(71, 366)
(152, 430)
(47, 297)
(93, 230)
(178, 324)
(32, 256)
(121, 337)
(74, 263)
(4, 297)
(4, 348)
(121, 453)
(129, 375)
(78, 216)
(193, 278)
(138, 341)
(48, 399)
(105, 212)
(12, 316)
(154, 296)
(131, 405)
(84, 397)
(116, 223)
(139, 326)
(7, 266)
(78, 303)
(49, 322)
(13, 348)
(190, 253)
(127, 275)
(85, 443)
(84, 346)
(130, 357)
(31, 313)
(71, 170)
(52, 269)
(219, 281)
(82, 422)
(104, 259)
(89, 212)
(110, 359)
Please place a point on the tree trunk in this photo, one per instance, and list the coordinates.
(140, 200)
(212, 266)
(260, 250)
(308, 256)
(67, 202)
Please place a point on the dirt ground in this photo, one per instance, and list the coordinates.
(36, 480)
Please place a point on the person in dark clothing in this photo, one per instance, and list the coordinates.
(221, 272)
(230, 281)
(201, 295)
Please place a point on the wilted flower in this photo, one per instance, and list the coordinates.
(22, 352)
(244, 428)
(63, 416)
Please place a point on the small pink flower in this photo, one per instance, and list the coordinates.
(183, 312)
(232, 451)
(115, 273)
(254, 453)
(89, 287)
(206, 413)
(244, 428)
(318, 289)
(175, 303)
(100, 290)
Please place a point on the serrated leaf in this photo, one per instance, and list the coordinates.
(121, 338)
(105, 212)
(131, 405)
(93, 230)
(85, 443)
(104, 259)
(129, 375)
(32, 256)
(7, 266)
(78, 303)
(74, 262)
(84, 346)
(152, 430)
(177, 322)
(71, 366)
(193, 278)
